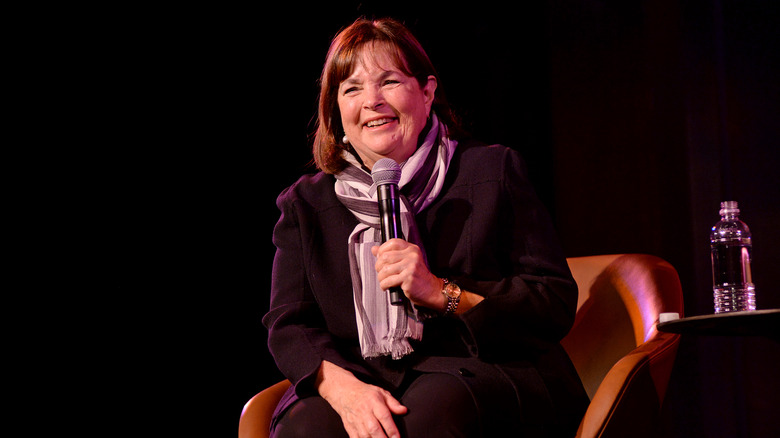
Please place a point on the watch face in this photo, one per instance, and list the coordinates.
(452, 290)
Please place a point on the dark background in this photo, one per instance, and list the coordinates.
(636, 119)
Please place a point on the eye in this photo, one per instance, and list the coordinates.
(350, 90)
(391, 82)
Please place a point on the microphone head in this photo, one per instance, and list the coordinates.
(386, 171)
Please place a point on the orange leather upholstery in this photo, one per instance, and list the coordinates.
(256, 416)
(623, 361)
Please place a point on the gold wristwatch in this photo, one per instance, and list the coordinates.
(452, 292)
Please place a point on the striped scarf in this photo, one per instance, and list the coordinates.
(384, 329)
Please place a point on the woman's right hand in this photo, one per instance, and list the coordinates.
(366, 410)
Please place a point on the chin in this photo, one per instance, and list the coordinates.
(386, 149)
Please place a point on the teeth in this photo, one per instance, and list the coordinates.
(374, 123)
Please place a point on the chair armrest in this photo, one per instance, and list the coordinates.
(628, 400)
(256, 416)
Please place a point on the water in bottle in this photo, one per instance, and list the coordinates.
(731, 246)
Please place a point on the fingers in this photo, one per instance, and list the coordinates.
(390, 245)
(385, 426)
(400, 263)
(384, 414)
(394, 405)
(395, 255)
(373, 416)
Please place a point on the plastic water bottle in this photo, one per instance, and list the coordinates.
(731, 245)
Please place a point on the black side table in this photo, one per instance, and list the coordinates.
(748, 323)
(748, 359)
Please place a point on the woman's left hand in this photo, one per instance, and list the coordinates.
(400, 263)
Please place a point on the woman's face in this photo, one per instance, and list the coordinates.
(383, 111)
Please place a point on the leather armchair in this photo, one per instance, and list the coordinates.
(623, 361)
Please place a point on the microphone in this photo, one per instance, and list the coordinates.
(386, 173)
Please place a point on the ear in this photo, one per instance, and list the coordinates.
(429, 92)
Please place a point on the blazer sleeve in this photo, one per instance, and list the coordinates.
(298, 337)
(532, 304)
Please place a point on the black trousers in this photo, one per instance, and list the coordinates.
(439, 405)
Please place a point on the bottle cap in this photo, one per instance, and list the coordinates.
(727, 207)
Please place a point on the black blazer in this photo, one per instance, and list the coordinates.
(489, 233)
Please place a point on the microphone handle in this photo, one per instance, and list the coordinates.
(390, 221)
(396, 296)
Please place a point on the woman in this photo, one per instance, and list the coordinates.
(474, 351)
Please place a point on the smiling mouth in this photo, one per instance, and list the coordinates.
(379, 122)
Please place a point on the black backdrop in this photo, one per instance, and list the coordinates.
(636, 119)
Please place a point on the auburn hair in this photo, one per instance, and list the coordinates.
(344, 54)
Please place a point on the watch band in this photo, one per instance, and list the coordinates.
(452, 292)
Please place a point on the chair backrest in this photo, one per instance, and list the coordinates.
(614, 343)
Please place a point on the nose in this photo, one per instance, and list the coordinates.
(374, 98)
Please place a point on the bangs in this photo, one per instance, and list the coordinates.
(345, 61)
